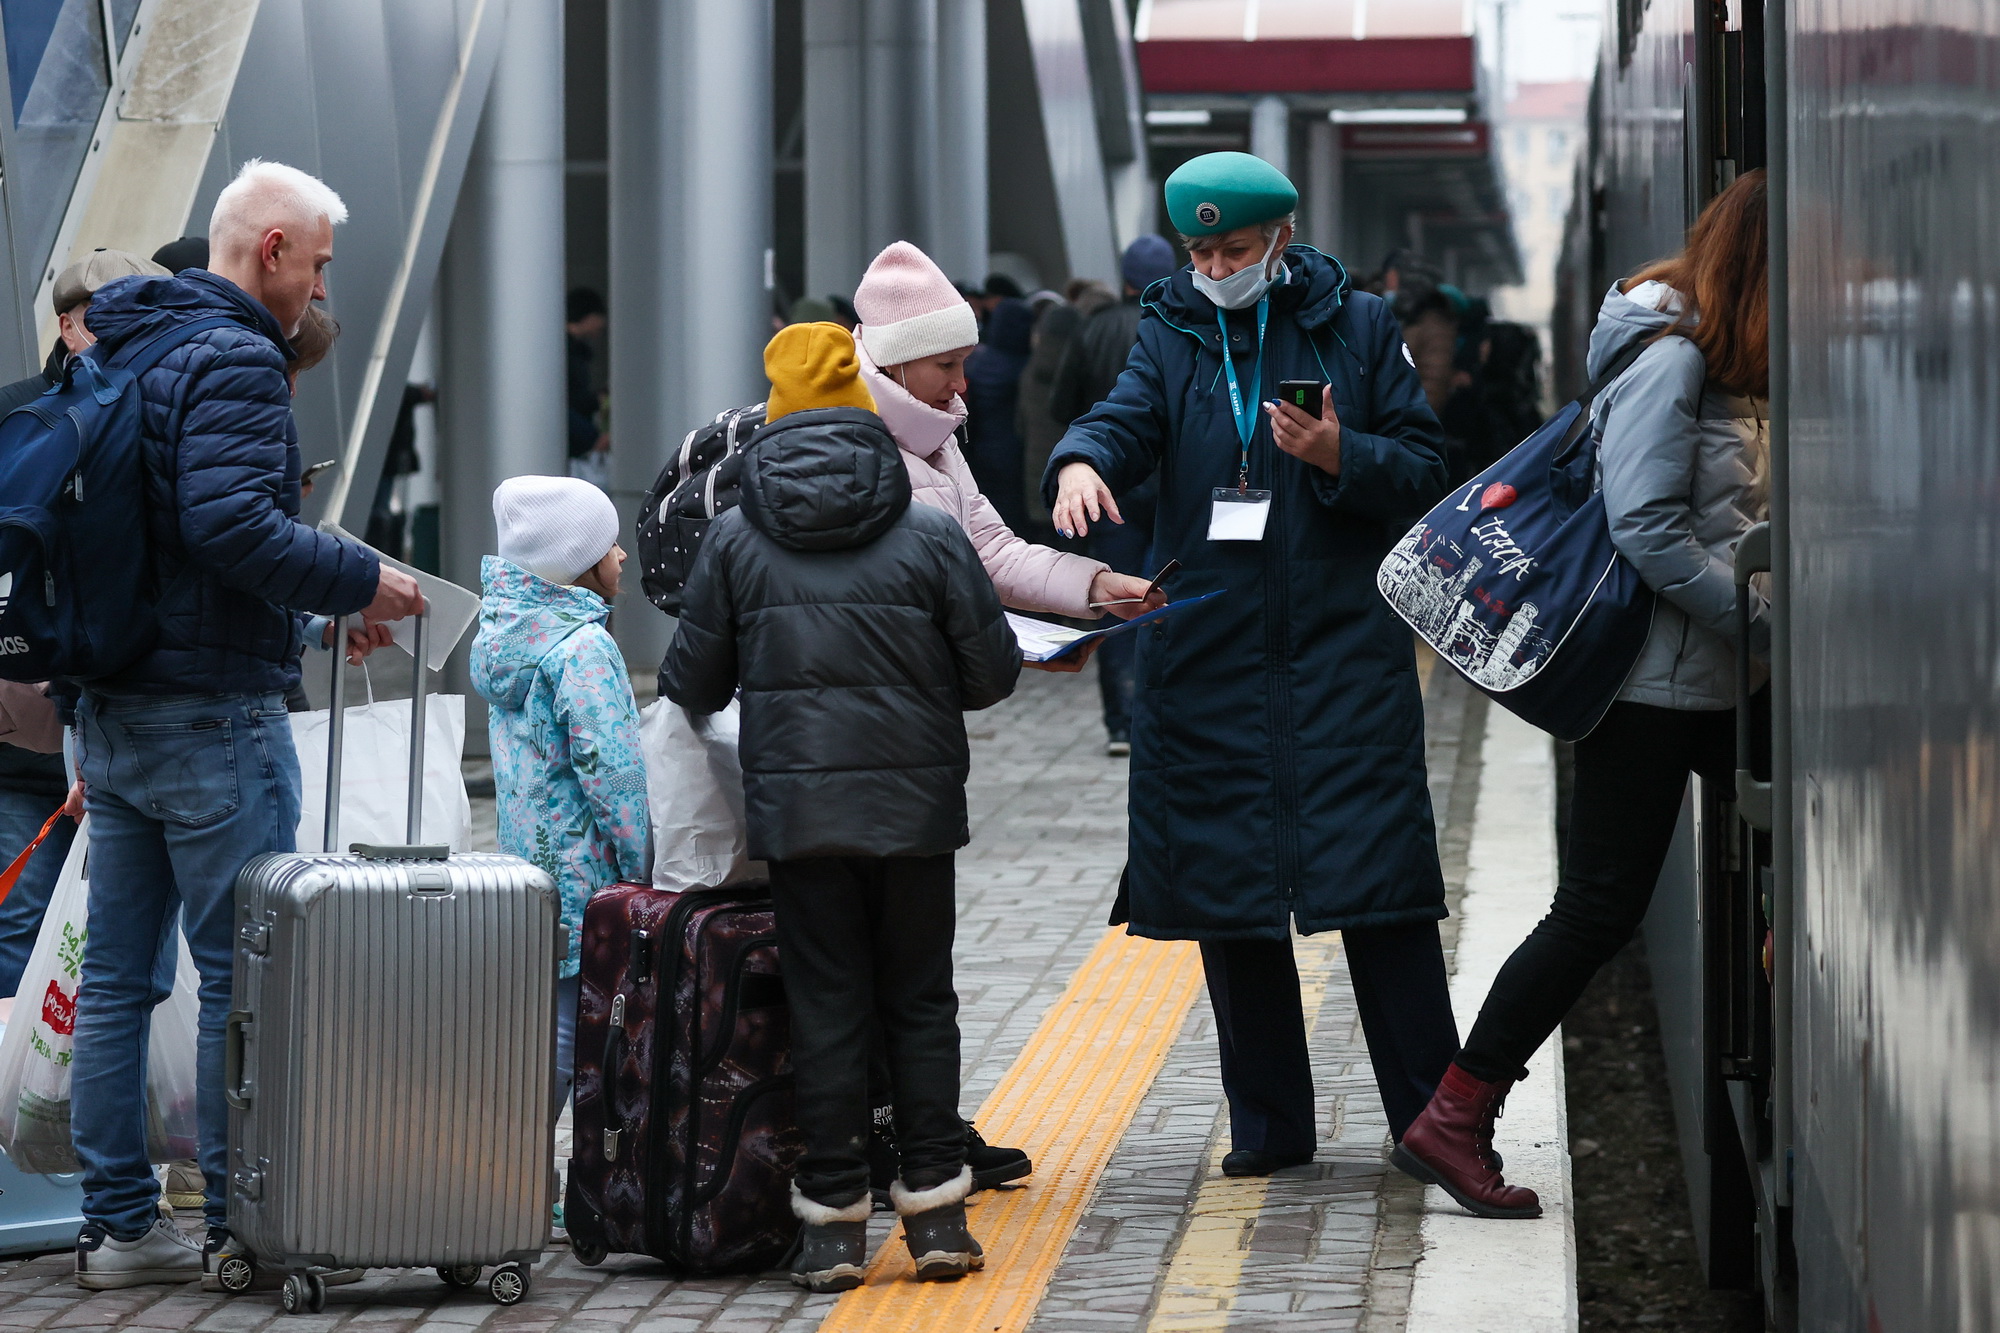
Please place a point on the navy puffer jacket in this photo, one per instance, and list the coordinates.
(231, 561)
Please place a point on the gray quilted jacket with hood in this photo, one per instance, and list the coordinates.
(1677, 463)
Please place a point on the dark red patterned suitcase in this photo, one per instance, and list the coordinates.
(685, 1138)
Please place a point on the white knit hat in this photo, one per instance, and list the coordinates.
(556, 528)
(909, 309)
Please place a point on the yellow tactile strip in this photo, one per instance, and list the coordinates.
(1067, 1100)
(1207, 1266)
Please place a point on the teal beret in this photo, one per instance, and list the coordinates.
(1220, 192)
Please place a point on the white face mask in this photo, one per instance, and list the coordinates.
(1246, 286)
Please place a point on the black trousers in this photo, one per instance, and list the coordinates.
(1405, 1003)
(866, 942)
(1630, 775)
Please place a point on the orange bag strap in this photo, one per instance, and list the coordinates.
(13, 872)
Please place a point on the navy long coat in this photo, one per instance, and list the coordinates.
(1277, 733)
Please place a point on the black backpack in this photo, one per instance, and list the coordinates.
(702, 479)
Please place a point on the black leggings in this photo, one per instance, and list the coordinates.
(1630, 775)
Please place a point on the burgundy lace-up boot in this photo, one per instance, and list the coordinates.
(1451, 1144)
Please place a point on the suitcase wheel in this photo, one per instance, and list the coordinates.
(589, 1253)
(303, 1293)
(460, 1275)
(236, 1274)
(509, 1283)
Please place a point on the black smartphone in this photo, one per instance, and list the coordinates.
(1309, 396)
(311, 474)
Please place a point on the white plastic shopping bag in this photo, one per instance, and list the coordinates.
(375, 775)
(35, 1053)
(694, 783)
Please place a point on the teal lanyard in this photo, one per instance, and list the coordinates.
(1245, 413)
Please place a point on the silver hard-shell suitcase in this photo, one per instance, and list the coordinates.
(390, 1056)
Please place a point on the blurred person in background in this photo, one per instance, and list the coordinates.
(1056, 322)
(589, 444)
(993, 374)
(186, 253)
(1090, 367)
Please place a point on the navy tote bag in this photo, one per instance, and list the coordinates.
(1513, 580)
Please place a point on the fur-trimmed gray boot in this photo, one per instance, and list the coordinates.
(934, 1228)
(833, 1246)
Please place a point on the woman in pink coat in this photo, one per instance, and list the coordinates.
(916, 331)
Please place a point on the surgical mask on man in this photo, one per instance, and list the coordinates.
(1246, 286)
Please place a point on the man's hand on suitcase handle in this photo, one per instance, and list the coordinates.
(396, 598)
(361, 640)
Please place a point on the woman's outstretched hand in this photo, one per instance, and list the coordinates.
(1124, 595)
(1082, 496)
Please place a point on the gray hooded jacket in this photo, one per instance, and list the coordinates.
(1677, 466)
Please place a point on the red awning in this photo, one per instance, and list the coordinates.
(1308, 65)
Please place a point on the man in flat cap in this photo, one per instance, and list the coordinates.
(74, 287)
(1278, 730)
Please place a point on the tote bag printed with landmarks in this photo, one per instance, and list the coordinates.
(1513, 580)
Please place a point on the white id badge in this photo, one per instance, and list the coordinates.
(1238, 516)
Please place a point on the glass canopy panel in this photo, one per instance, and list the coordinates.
(59, 77)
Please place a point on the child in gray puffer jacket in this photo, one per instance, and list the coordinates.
(859, 628)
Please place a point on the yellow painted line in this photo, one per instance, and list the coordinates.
(1067, 1100)
(1207, 1266)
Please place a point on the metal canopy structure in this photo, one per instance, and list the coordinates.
(1376, 107)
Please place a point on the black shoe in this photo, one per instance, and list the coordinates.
(993, 1166)
(831, 1256)
(1117, 744)
(1256, 1162)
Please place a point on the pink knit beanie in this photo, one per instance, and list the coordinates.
(909, 309)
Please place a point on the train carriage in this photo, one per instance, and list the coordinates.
(1826, 939)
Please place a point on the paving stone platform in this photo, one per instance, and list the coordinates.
(1329, 1246)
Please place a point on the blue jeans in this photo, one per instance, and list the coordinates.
(182, 792)
(567, 991)
(21, 817)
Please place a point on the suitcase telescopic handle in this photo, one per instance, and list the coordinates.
(336, 733)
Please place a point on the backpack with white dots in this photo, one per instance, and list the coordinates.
(701, 480)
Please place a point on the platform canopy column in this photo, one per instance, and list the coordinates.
(690, 203)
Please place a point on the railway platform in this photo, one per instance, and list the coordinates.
(1096, 1052)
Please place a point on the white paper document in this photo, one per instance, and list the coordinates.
(453, 609)
(1041, 640)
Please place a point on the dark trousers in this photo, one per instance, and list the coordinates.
(1630, 775)
(1405, 1003)
(866, 942)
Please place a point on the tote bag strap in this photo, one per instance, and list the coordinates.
(1577, 428)
(12, 873)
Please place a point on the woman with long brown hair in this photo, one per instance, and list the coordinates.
(1681, 461)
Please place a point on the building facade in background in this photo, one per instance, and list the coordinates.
(1540, 136)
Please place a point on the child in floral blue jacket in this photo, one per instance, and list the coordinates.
(564, 726)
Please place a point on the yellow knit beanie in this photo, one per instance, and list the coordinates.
(813, 365)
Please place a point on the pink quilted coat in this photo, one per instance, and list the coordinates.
(1027, 577)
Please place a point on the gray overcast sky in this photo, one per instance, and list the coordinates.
(1550, 41)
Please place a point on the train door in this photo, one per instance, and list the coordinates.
(1712, 937)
